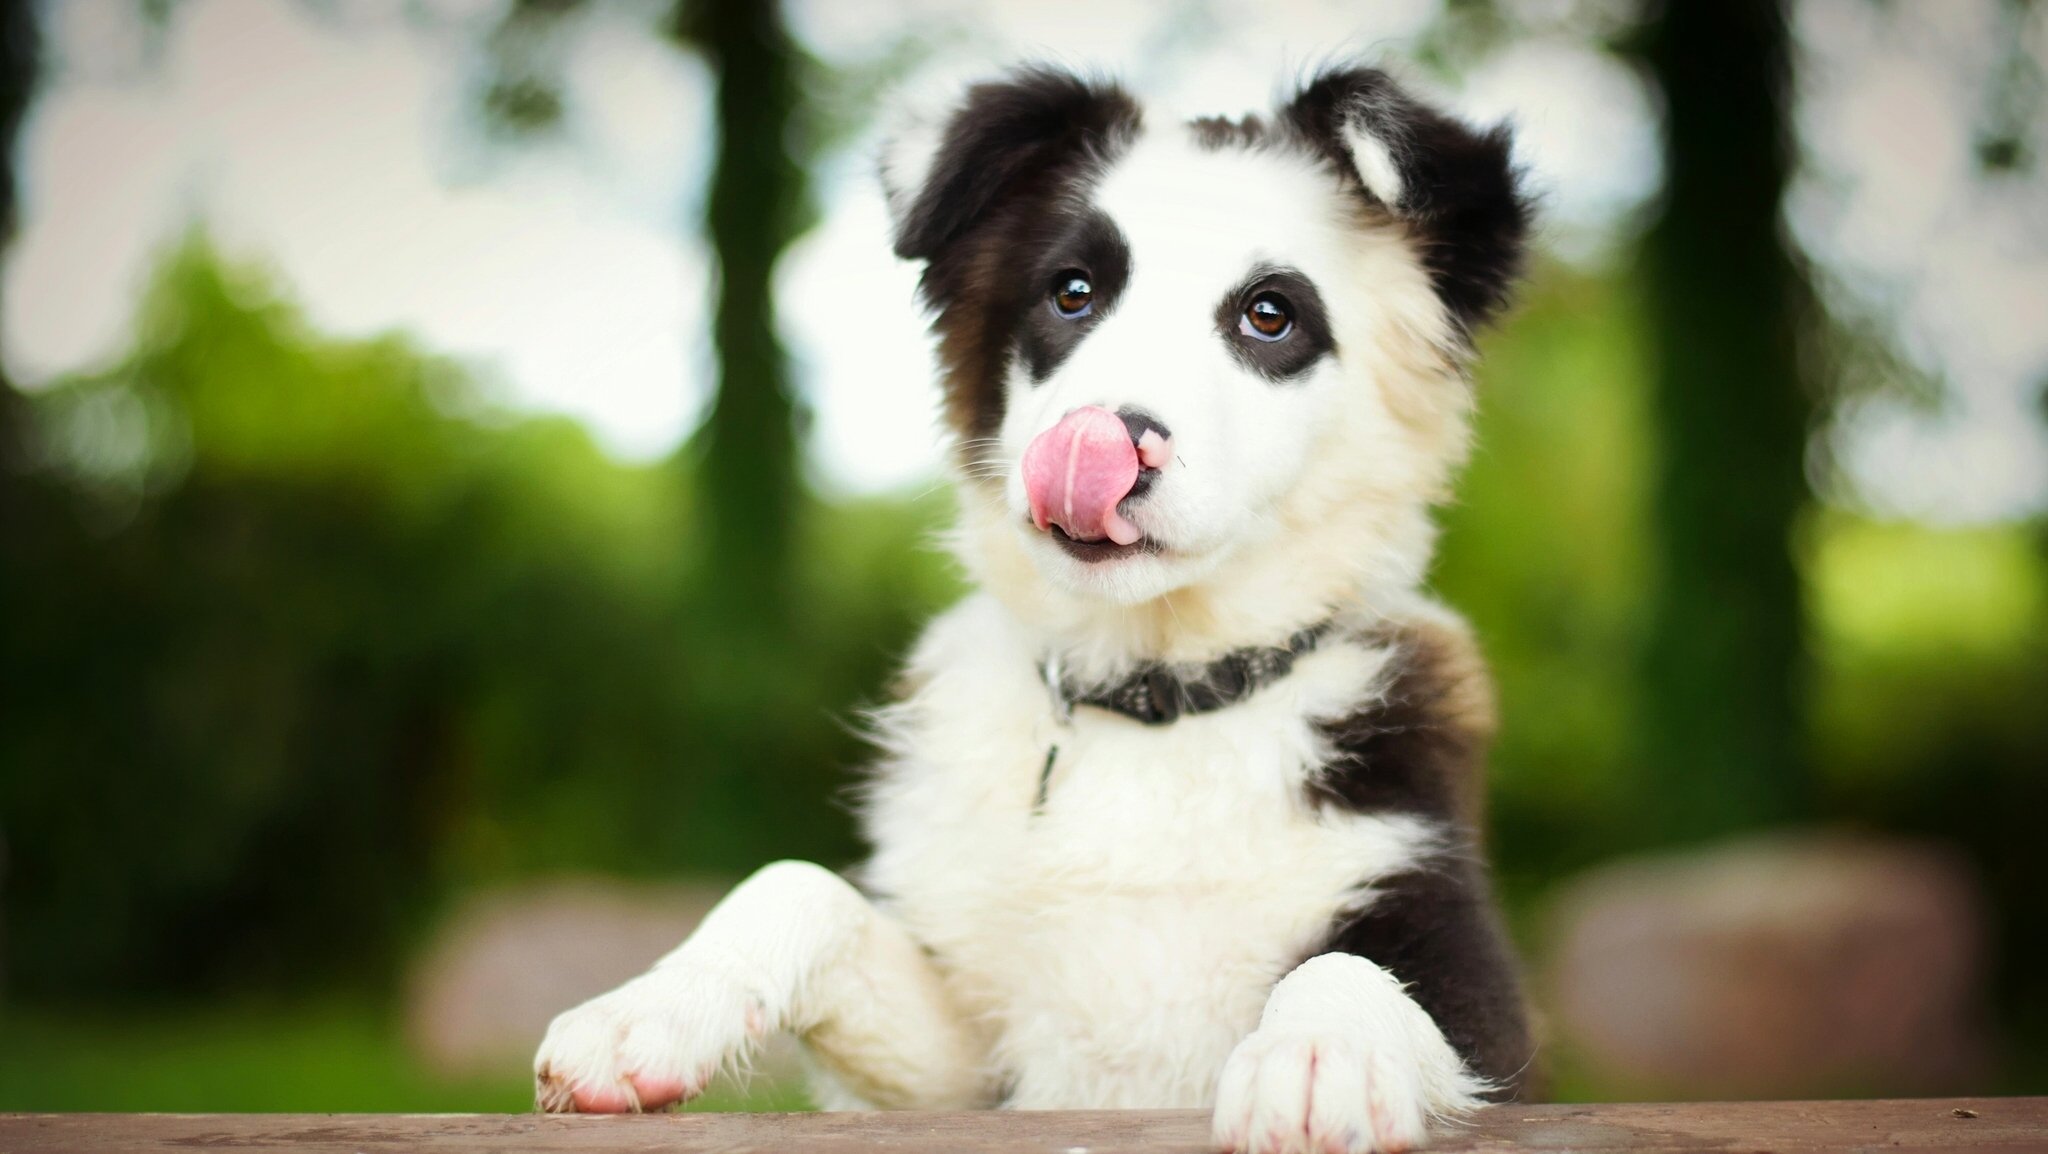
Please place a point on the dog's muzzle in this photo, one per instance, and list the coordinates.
(1078, 471)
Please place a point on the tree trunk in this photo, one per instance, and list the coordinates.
(748, 477)
(743, 604)
(1724, 662)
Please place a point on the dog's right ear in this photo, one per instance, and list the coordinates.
(1457, 186)
(1008, 136)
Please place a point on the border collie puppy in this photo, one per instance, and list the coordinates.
(1181, 808)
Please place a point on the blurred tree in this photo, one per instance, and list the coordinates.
(222, 656)
(290, 647)
(2012, 98)
(743, 462)
(746, 453)
(755, 209)
(1723, 665)
(521, 96)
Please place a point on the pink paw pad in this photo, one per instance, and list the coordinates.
(602, 1100)
(655, 1093)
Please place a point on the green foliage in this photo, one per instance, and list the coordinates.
(1933, 654)
(300, 632)
(1545, 554)
(336, 1056)
(333, 1057)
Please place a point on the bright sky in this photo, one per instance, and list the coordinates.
(1891, 211)
(335, 142)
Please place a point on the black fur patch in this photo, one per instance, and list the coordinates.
(1009, 137)
(1436, 930)
(1000, 197)
(1420, 747)
(1418, 751)
(1309, 341)
(1459, 186)
(1092, 246)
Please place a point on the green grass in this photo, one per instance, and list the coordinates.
(308, 1059)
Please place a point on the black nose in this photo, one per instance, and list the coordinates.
(1138, 420)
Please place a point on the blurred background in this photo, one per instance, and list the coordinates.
(464, 466)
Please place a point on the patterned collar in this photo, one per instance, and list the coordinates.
(1156, 693)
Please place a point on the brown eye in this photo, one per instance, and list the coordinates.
(1072, 294)
(1267, 318)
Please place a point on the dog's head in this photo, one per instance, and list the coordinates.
(1205, 355)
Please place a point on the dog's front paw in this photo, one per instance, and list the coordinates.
(1303, 1092)
(653, 1042)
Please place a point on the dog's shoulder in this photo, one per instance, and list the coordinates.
(1416, 744)
(1417, 748)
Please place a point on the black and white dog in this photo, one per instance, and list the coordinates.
(1181, 807)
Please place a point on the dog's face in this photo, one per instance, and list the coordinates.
(1169, 347)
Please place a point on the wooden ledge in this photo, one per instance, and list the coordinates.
(1922, 1124)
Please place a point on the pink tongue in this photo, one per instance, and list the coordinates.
(1077, 471)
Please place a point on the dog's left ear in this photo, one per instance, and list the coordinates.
(1019, 131)
(1457, 187)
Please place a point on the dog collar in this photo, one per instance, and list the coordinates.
(1156, 693)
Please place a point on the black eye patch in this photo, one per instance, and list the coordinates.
(1088, 243)
(1307, 341)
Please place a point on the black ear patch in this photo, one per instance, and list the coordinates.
(1457, 185)
(997, 211)
(1009, 137)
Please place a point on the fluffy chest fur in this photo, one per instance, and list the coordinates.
(1120, 936)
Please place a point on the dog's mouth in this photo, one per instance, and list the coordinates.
(1082, 476)
(1097, 552)
(1103, 548)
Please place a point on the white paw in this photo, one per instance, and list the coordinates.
(1291, 1091)
(657, 1040)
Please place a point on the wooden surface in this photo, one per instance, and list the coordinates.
(1928, 1124)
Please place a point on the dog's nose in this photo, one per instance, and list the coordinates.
(1155, 444)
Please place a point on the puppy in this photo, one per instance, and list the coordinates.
(1181, 807)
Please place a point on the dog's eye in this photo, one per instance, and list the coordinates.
(1072, 295)
(1267, 318)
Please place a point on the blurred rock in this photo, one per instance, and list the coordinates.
(1791, 966)
(505, 964)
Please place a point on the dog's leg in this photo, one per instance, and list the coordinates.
(1342, 1060)
(793, 948)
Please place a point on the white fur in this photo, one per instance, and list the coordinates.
(1121, 941)
(1377, 166)
(793, 948)
(907, 156)
(1120, 944)
(1342, 1061)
